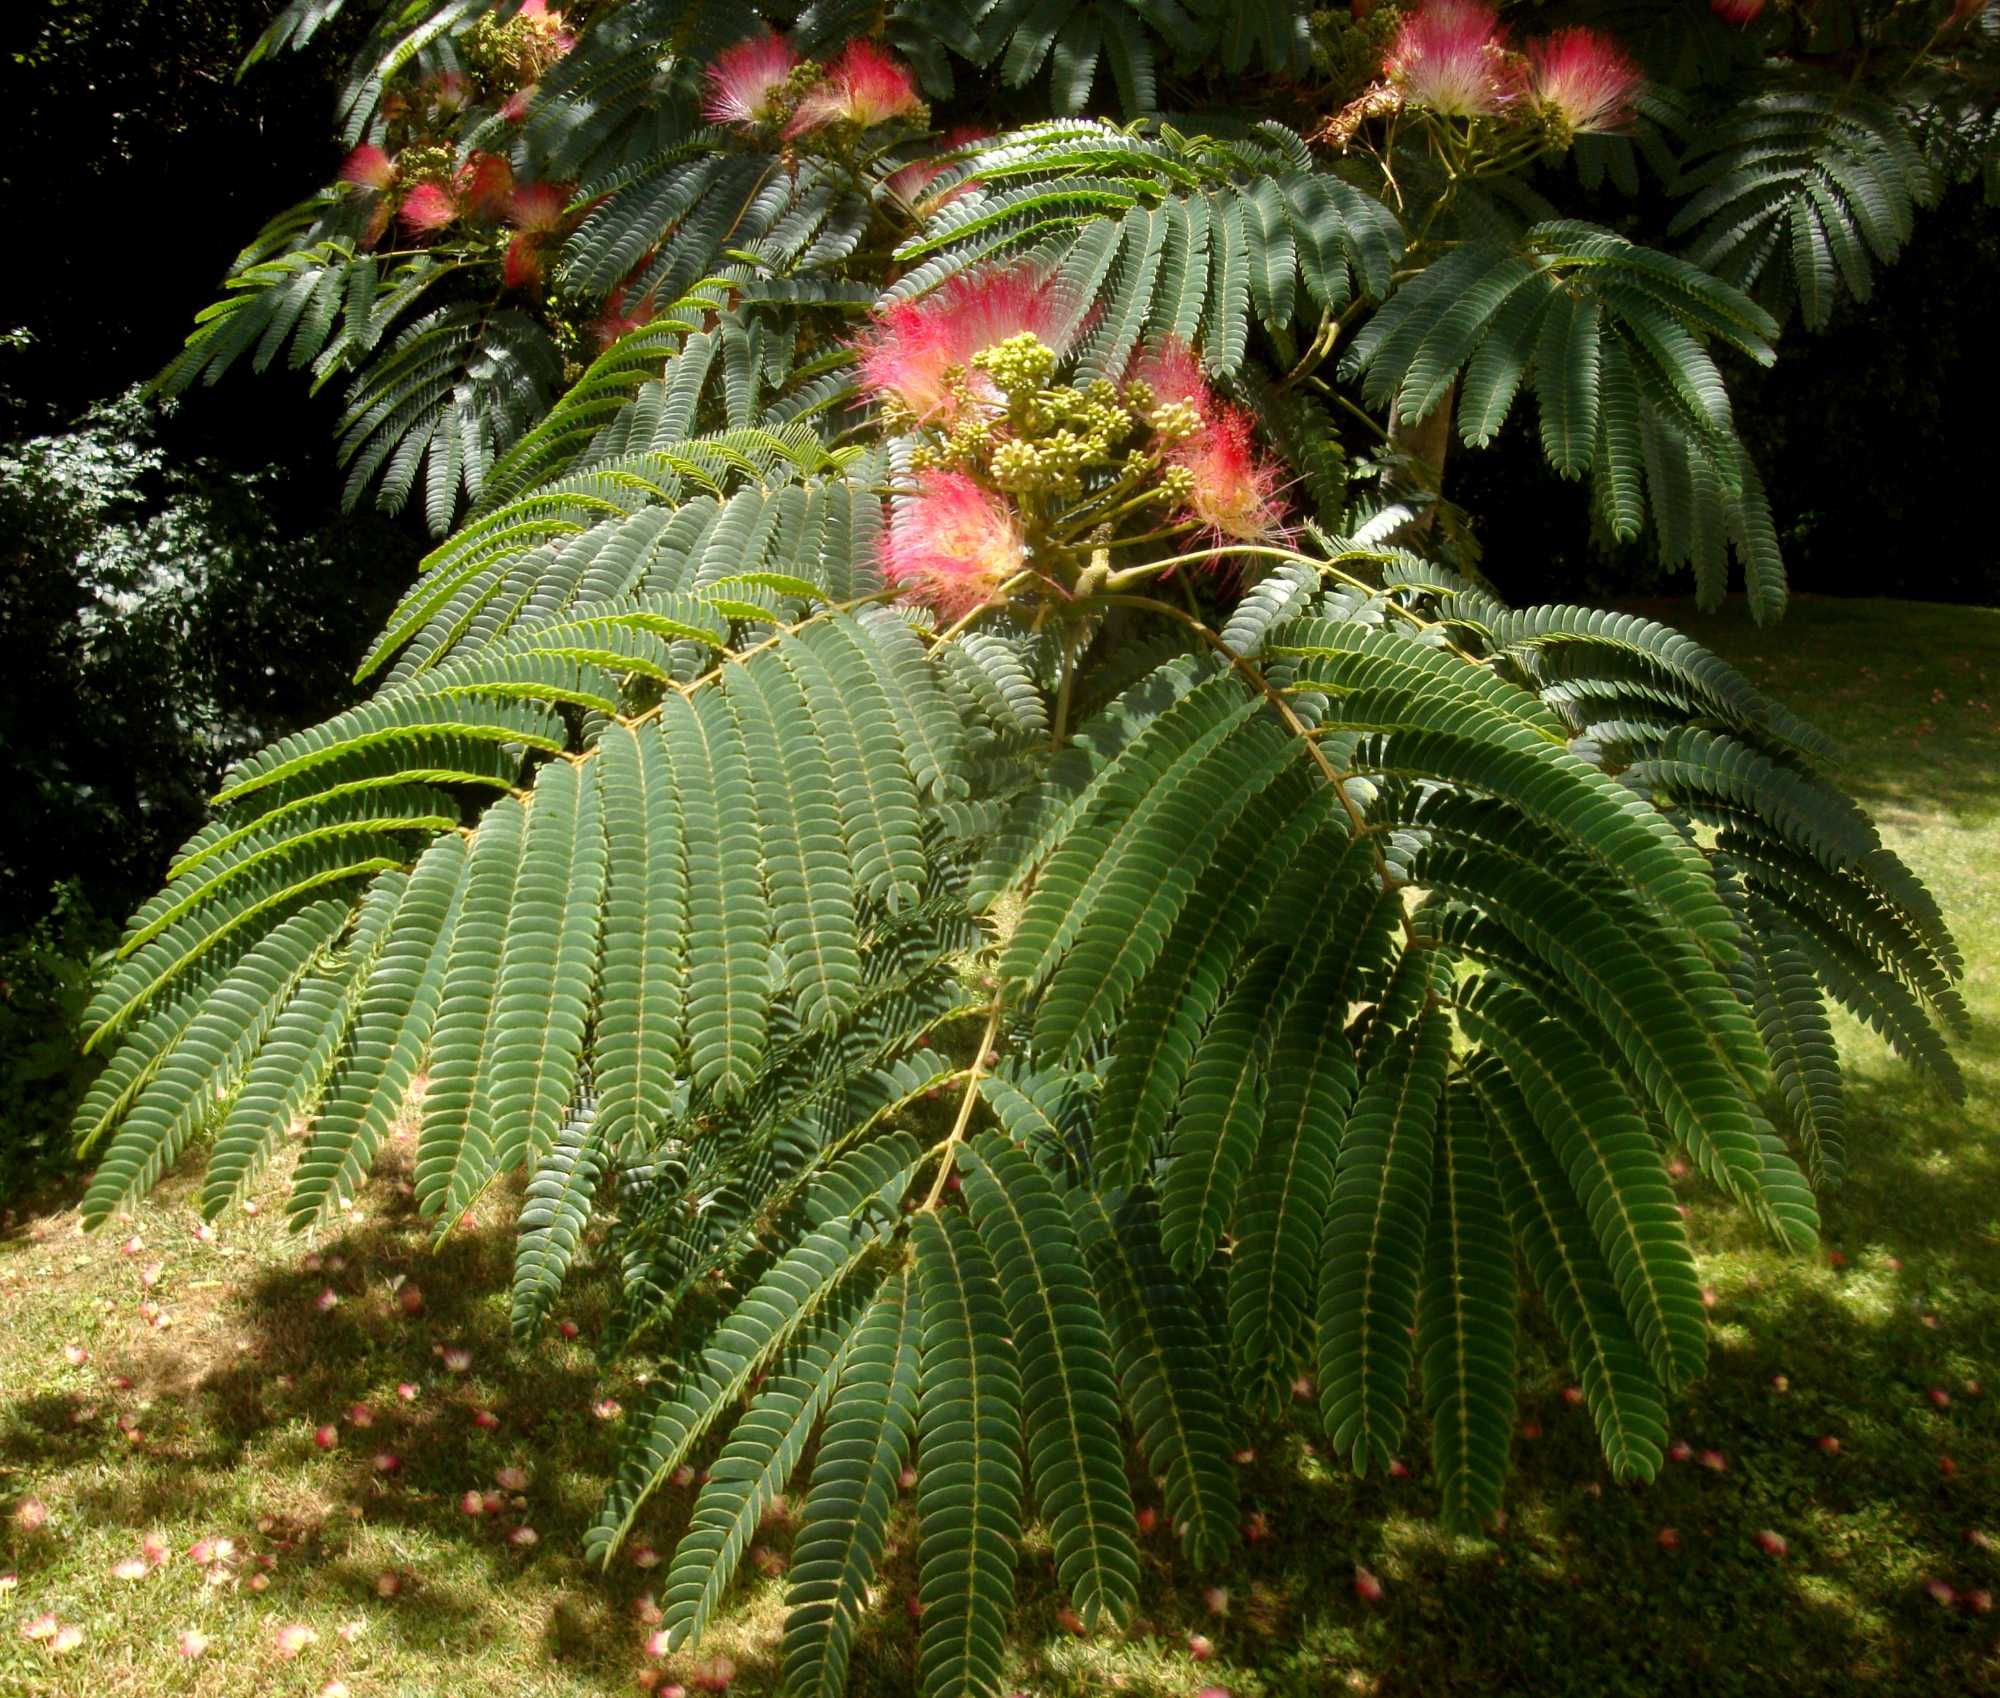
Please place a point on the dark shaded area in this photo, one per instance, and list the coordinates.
(177, 585)
(1873, 438)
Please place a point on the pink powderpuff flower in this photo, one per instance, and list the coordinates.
(66, 1639)
(130, 1568)
(1585, 79)
(1200, 1647)
(1216, 1598)
(327, 1438)
(485, 1419)
(388, 1584)
(486, 187)
(512, 1479)
(387, 1462)
(294, 1638)
(918, 346)
(745, 80)
(1941, 1593)
(192, 1643)
(1715, 1461)
(31, 1515)
(1450, 55)
(1737, 11)
(953, 544)
(644, 1556)
(867, 85)
(360, 1415)
(524, 1538)
(473, 1503)
(368, 167)
(456, 1358)
(43, 1627)
(658, 1644)
(568, 1329)
(75, 1355)
(427, 209)
(1770, 1543)
(1366, 1587)
(607, 1409)
(539, 209)
(410, 1299)
(1235, 487)
(1668, 1539)
(1171, 371)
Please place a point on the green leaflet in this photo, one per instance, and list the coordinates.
(209, 1057)
(555, 1213)
(390, 1034)
(1169, 1369)
(1281, 1215)
(814, 1285)
(290, 1068)
(548, 970)
(805, 861)
(968, 1458)
(1619, 1387)
(729, 967)
(1616, 1173)
(763, 1450)
(871, 1425)
(1070, 1398)
(1466, 1319)
(641, 1031)
(1155, 1041)
(1371, 1264)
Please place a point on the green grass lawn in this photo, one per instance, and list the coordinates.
(196, 1419)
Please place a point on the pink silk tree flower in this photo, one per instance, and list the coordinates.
(486, 186)
(1450, 56)
(917, 347)
(953, 544)
(744, 81)
(1585, 78)
(368, 167)
(1171, 371)
(867, 85)
(427, 209)
(1235, 492)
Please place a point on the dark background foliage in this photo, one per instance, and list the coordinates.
(178, 585)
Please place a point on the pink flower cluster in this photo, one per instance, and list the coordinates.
(864, 85)
(956, 542)
(1234, 494)
(1451, 57)
(953, 544)
(482, 189)
(918, 347)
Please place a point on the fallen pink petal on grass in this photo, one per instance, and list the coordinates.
(293, 1638)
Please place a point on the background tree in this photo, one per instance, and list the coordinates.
(927, 791)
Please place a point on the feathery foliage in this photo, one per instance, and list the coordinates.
(884, 818)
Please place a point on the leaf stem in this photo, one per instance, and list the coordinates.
(973, 1075)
